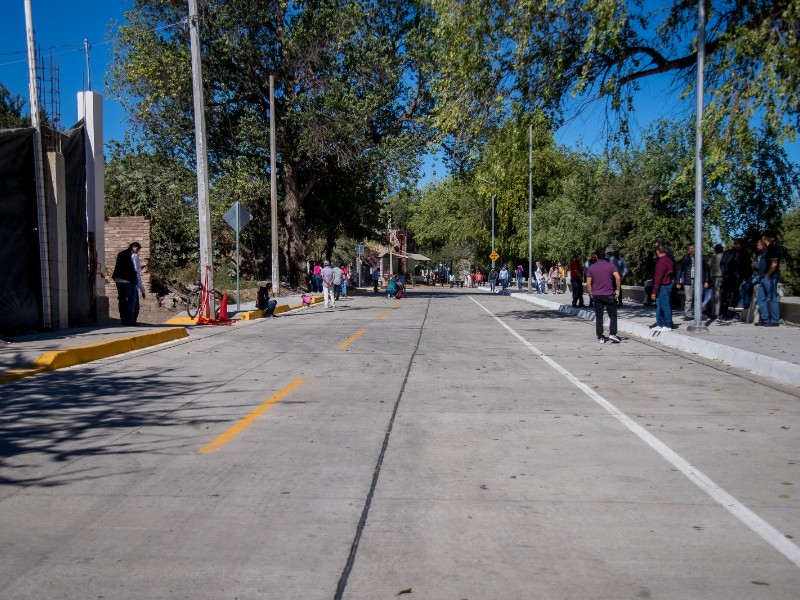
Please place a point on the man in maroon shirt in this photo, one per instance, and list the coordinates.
(603, 284)
(662, 289)
(576, 280)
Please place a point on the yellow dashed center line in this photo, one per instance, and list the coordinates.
(382, 315)
(245, 422)
(352, 338)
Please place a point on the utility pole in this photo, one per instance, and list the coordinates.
(493, 229)
(201, 149)
(88, 65)
(273, 191)
(41, 197)
(697, 289)
(530, 206)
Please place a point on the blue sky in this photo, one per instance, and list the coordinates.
(61, 27)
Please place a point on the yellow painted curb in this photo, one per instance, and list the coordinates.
(58, 359)
(181, 321)
(252, 315)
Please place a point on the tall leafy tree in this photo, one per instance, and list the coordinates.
(550, 54)
(11, 106)
(352, 83)
(160, 188)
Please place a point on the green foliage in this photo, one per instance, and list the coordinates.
(790, 243)
(160, 188)
(351, 85)
(546, 55)
(11, 106)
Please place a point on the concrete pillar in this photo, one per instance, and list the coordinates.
(57, 201)
(90, 109)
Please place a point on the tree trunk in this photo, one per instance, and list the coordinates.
(294, 194)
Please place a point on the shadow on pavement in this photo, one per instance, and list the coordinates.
(60, 417)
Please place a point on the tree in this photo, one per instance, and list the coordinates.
(351, 85)
(160, 188)
(763, 185)
(11, 106)
(548, 55)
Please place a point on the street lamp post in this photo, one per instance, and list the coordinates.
(530, 205)
(493, 230)
(697, 289)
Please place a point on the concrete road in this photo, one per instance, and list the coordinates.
(446, 446)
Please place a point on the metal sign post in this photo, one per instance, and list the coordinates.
(237, 217)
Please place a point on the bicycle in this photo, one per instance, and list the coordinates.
(195, 298)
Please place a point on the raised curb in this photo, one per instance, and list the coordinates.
(251, 315)
(765, 366)
(58, 359)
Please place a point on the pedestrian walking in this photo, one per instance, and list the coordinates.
(576, 280)
(376, 277)
(602, 279)
(492, 280)
(519, 273)
(622, 267)
(338, 279)
(327, 286)
(662, 290)
(504, 275)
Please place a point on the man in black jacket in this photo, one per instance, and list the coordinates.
(127, 276)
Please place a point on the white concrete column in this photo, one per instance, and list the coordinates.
(90, 109)
(59, 266)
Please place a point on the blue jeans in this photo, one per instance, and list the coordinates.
(492, 283)
(504, 283)
(664, 306)
(344, 287)
(768, 300)
(128, 302)
(746, 292)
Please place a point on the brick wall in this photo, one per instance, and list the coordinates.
(120, 232)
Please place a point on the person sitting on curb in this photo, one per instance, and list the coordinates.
(263, 301)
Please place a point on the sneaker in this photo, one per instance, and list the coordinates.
(614, 339)
(654, 326)
(601, 340)
(771, 324)
(663, 328)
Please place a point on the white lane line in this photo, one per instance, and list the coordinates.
(767, 532)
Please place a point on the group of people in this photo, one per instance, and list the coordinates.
(728, 279)
(331, 283)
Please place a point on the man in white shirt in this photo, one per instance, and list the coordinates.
(327, 285)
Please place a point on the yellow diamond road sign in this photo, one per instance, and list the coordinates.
(494, 256)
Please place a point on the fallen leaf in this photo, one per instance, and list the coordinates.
(401, 592)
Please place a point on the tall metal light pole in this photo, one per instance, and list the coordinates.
(530, 206)
(697, 289)
(201, 149)
(493, 230)
(493, 198)
(273, 185)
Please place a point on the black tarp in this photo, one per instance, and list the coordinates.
(20, 288)
(73, 147)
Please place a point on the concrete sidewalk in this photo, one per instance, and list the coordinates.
(29, 355)
(772, 352)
